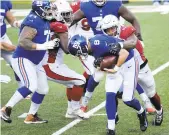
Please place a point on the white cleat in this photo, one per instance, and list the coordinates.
(80, 114)
(69, 114)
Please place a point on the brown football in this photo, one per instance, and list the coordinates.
(108, 62)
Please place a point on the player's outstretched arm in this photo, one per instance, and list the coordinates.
(7, 47)
(130, 17)
(77, 16)
(131, 42)
(12, 20)
(26, 36)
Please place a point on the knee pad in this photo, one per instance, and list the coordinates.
(43, 91)
(151, 92)
(98, 75)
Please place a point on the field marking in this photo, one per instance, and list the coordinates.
(101, 105)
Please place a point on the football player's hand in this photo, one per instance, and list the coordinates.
(115, 48)
(48, 45)
(112, 71)
(97, 62)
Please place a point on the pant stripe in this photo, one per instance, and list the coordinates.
(25, 72)
(22, 71)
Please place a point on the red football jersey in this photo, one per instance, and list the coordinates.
(56, 27)
(75, 6)
(127, 31)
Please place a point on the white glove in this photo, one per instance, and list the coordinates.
(48, 45)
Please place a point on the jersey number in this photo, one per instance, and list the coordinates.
(96, 42)
(98, 20)
(47, 33)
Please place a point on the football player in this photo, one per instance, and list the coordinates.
(145, 78)
(53, 64)
(32, 45)
(126, 69)
(7, 15)
(102, 8)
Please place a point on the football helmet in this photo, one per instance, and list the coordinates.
(109, 21)
(78, 46)
(62, 11)
(43, 9)
(99, 3)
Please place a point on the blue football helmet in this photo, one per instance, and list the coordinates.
(78, 46)
(43, 9)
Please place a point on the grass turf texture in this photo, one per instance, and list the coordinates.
(155, 33)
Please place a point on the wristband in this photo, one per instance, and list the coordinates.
(116, 68)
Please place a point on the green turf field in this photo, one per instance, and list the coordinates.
(155, 33)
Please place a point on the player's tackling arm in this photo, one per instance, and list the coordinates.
(64, 41)
(129, 16)
(130, 43)
(7, 47)
(77, 16)
(26, 36)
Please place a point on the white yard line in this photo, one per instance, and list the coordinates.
(101, 105)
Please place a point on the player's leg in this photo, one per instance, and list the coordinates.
(8, 57)
(27, 73)
(147, 104)
(37, 98)
(88, 67)
(146, 80)
(130, 75)
(112, 85)
(92, 84)
(75, 84)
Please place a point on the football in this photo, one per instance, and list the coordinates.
(108, 62)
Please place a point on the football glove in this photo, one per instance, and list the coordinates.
(115, 48)
(97, 62)
(48, 45)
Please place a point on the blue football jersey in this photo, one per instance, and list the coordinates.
(5, 6)
(43, 35)
(100, 46)
(94, 13)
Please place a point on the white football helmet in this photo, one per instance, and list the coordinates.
(99, 2)
(62, 11)
(109, 21)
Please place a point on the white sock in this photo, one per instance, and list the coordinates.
(34, 108)
(159, 112)
(75, 105)
(111, 124)
(69, 104)
(86, 98)
(20, 84)
(15, 99)
(140, 111)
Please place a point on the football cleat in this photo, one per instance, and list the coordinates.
(69, 114)
(83, 108)
(143, 121)
(34, 119)
(158, 119)
(110, 132)
(80, 114)
(5, 114)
